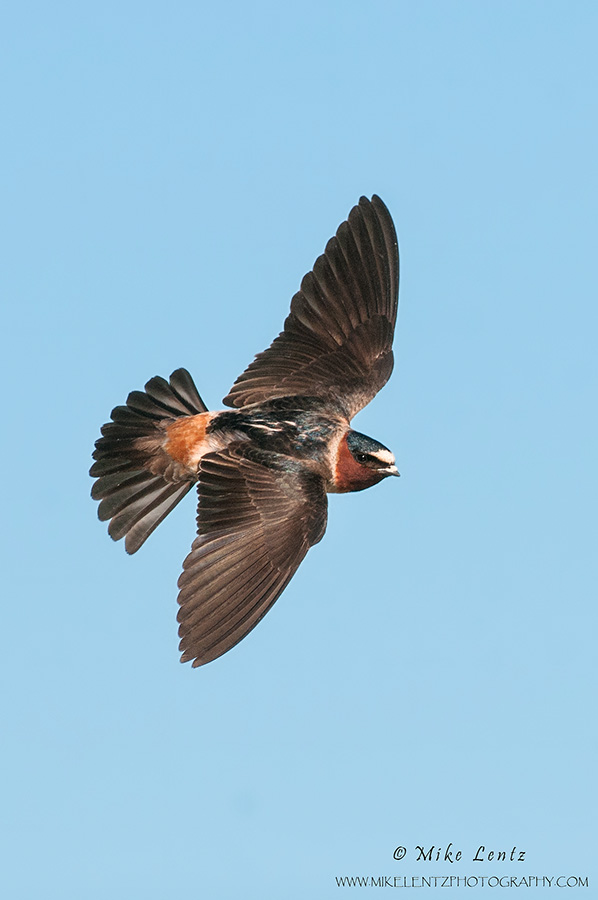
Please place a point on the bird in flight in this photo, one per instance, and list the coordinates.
(262, 467)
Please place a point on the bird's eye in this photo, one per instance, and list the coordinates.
(361, 457)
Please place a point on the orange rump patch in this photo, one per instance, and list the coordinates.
(186, 439)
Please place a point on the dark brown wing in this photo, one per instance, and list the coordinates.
(255, 525)
(337, 339)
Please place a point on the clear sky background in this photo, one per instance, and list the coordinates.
(168, 174)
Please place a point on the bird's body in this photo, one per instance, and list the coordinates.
(299, 431)
(262, 468)
(289, 430)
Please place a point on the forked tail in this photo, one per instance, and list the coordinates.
(137, 482)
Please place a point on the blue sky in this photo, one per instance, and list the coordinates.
(168, 174)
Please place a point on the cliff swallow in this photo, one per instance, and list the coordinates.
(263, 466)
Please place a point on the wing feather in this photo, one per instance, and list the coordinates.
(337, 339)
(256, 521)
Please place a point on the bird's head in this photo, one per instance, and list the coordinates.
(361, 462)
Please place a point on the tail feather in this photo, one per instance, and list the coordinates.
(106, 466)
(180, 394)
(119, 490)
(137, 521)
(142, 529)
(137, 482)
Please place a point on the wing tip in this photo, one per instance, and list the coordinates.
(196, 661)
(380, 208)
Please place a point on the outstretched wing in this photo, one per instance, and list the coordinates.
(256, 521)
(337, 340)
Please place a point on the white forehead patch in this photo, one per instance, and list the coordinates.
(385, 456)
